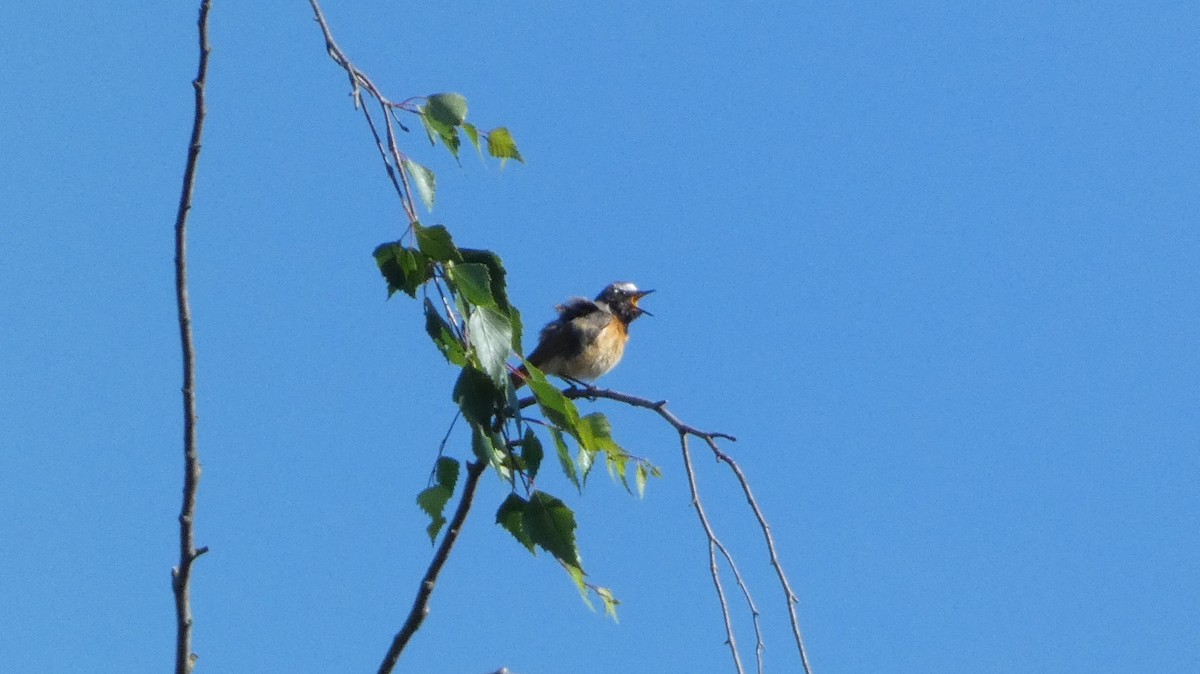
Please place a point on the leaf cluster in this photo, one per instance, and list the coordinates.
(473, 324)
(444, 116)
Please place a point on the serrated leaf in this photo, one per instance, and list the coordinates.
(531, 453)
(440, 131)
(443, 337)
(447, 472)
(564, 457)
(617, 464)
(497, 275)
(610, 602)
(403, 268)
(448, 108)
(595, 436)
(489, 332)
(423, 180)
(501, 144)
(476, 395)
(514, 318)
(427, 123)
(511, 516)
(474, 282)
(556, 407)
(473, 136)
(551, 526)
(577, 577)
(585, 460)
(599, 433)
(436, 243)
(485, 447)
(433, 502)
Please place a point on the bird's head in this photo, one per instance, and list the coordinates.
(622, 298)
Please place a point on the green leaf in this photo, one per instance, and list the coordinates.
(404, 268)
(585, 460)
(531, 452)
(438, 130)
(489, 332)
(423, 179)
(433, 502)
(576, 574)
(514, 317)
(477, 396)
(497, 276)
(435, 242)
(564, 457)
(551, 526)
(596, 437)
(486, 448)
(617, 464)
(447, 472)
(443, 337)
(501, 144)
(498, 285)
(474, 282)
(447, 108)
(511, 516)
(556, 407)
(610, 602)
(640, 478)
(473, 136)
(599, 433)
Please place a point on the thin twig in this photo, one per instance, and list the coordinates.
(759, 644)
(420, 607)
(710, 438)
(712, 555)
(792, 600)
(659, 406)
(383, 155)
(181, 575)
(359, 80)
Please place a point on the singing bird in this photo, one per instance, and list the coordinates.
(588, 337)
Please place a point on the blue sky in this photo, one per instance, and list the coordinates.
(935, 264)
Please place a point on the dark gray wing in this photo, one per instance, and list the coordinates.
(579, 321)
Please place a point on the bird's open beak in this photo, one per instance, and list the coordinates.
(637, 296)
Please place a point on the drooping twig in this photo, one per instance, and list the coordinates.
(420, 607)
(710, 438)
(792, 600)
(393, 159)
(713, 570)
(181, 575)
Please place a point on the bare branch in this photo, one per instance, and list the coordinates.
(710, 438)
(181, 575)
(792, 600)
(420, 607)
(393, 158)
(712, 555)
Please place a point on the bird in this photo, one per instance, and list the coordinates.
(588, 338)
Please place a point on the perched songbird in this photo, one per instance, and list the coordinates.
(588, 337)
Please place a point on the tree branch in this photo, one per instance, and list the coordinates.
(181, 575)
(659, 406)
(710, 438)
(359, 82)
(792, 600)
(712, 556)
(420, 607)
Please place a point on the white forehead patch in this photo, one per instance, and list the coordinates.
(625, 286)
